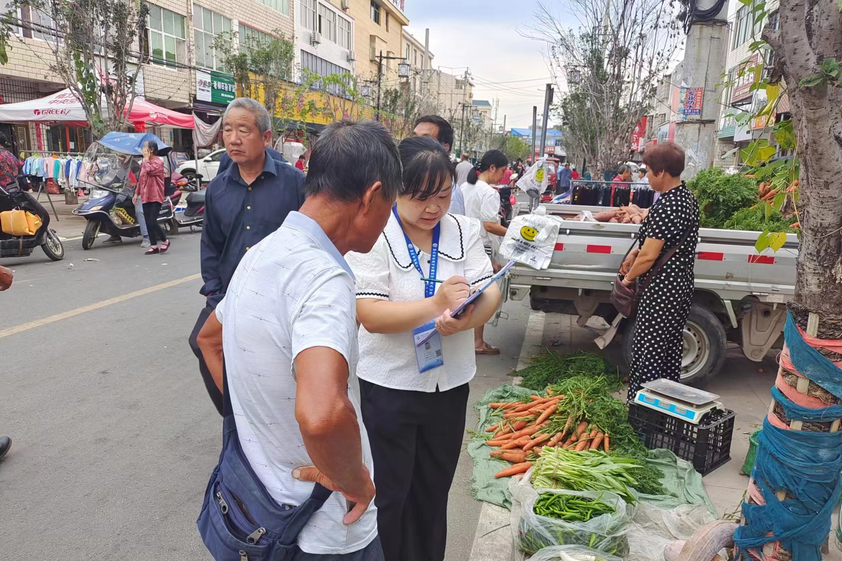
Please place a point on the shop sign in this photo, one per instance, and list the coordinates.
(742, 84)
(693, 101)
(215, 87)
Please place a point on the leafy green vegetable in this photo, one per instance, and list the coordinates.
(754, 219)
(571, 508)
(551, 368)
(720, 195)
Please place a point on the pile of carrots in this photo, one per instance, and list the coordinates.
(528, 426)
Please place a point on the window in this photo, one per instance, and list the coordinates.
(250, 37)
(389, 61)
(406, 56)
(373, 47)
(307, 14)
(280, 6)
(745, 27)
(43, 26)
(322, 67)
(167, 36)
(206, 25)
(343, 32)
(327, 23)
(387, 22)
(375, 12)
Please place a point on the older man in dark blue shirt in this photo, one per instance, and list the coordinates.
(245, 203)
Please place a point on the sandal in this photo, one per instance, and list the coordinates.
(165, 246)
(487, 350)
(151, 251)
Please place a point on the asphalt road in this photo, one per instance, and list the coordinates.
(114, 436)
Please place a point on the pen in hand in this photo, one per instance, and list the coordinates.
(432, 280)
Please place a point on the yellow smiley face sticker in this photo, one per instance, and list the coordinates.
(528, 233)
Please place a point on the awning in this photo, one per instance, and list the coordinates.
(64, 107)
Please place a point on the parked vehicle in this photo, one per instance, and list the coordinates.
(207, 167)
(191, 211)
(11, 198)
(741, 295)
(112, 166)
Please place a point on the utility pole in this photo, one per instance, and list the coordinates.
(548, 99)
(380, 59)
(504, 125)
(534, 130)
(462, 131)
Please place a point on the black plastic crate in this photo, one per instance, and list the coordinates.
(706, 445)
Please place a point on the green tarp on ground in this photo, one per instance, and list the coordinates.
(682, 482)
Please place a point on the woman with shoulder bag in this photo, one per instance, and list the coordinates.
(662, 266)
(414, 394)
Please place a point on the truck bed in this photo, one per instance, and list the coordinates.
(588, 255)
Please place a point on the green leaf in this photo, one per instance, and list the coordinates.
(785, 135)
(755, 46)
(746, 2)
(830, 67)
(767, 209)
(762, 241)
(779, 200)
(840, 5)
(812, 81)
(777, 240)
(766, 154)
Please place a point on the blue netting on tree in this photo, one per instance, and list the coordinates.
(806, 465)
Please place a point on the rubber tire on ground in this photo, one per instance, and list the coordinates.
(54, 255)
(91, 232)
(705, 321)
(171, 227)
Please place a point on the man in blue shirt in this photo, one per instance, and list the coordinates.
(244, 203)
(564, 177)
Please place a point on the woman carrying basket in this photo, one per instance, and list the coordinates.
(664, 304)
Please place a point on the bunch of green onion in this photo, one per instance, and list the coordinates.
(589, 470)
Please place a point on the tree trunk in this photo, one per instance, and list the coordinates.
(812, 32)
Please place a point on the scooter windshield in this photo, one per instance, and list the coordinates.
(105, 168)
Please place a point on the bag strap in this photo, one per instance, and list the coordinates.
(662, 260)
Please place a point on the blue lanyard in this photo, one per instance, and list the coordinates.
(429, 287)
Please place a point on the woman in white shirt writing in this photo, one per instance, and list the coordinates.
(482, 202)
(414, 397)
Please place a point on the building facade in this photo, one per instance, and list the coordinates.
(378, 29)
(325, 38)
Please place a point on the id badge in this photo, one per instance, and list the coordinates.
(428, 355)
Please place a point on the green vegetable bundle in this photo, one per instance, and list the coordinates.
(551, 368)
(571, 508)
(589, 470)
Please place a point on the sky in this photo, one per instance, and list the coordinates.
(483, 36)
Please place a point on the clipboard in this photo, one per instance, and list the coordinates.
(458, 312)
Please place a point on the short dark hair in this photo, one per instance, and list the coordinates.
(349, 157)
(445, 130)
(301, 157)
(425, 167)
(665, 156)
(491, 158)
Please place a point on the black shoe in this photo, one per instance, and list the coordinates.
(5, 444)
(114, 239)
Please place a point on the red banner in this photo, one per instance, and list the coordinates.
(638, 135)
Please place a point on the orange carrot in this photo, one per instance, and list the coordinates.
(547, 412)
(536, 441)
(583, 426)
(516, 443)
(795, 225)
(556, 439)
(606, 443)
(549, 391)
(570, 440)
(535, 397)
(513, 456)
(500, 405)
(499, 442)
(528, 431)
(582, 444)
(514, 470)
(492, 428)
(597, 441)
(519, 425)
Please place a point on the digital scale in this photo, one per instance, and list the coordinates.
(677, 400)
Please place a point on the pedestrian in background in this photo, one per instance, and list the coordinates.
(244, 203)
(462, 169)
(574, 175)
(6, 278)
(299, 164)
(414, 399)
(440, 129)
(150, 189)
(287, 332)
(672, 223)
(482, 202)
(9, 164)
(565, 175)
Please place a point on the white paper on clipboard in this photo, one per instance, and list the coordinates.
(464, 305)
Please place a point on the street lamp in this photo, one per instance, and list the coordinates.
(366, 90)
(403, 69)
(403, 72)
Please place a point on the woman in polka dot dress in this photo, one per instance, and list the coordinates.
(665, 303)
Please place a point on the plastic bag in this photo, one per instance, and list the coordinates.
(532, 532)
(653, 528)
(535, 178)
(530, 240)
(572, 553)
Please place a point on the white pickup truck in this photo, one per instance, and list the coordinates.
(740, 294)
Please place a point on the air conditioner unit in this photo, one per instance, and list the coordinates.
(315, 38)
(346, 4)
(352, 56)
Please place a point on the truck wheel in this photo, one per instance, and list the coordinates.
(704, 346)
(91, 232)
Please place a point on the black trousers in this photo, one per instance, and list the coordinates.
(210, 385)
(156, 233)
(415, 440)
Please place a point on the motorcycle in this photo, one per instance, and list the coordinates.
(110, 168)
(11, 198)
(191, 212)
